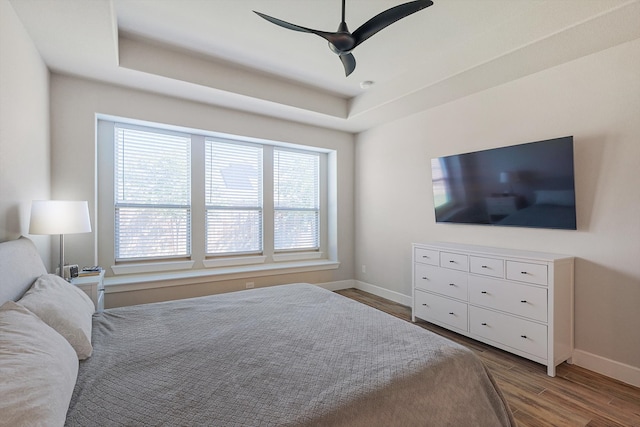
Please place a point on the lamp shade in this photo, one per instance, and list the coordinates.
(506, 177)
(59, 217)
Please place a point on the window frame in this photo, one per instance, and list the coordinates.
(118, 205)
(257, 208)
(199, 264)
(439, 165)
(316, 209)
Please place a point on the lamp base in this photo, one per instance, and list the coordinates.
(61, 264)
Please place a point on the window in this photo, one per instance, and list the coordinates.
(233, 192)
(173, 199)
(439, 177)
(296, 199)
(152, 194)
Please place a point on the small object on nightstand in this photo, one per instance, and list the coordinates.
(90, 271)
(92, 283)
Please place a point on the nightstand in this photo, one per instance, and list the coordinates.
(92, 286)
(500, 207)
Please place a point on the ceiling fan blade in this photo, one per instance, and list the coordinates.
(340, 41)
(388, 17)
(349, 62)
(284, 24)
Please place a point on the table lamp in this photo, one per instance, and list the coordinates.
(507, 178)
(59, 217)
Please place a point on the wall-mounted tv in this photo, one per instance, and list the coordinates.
(525, 185)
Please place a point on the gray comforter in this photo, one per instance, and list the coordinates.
(284, 355)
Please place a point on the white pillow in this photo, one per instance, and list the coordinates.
(38, 370)
(65, 308)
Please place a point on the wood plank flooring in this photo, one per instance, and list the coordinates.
(574, 397)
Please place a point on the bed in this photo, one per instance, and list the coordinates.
(551, 209)
(543, 216)
(295, 355)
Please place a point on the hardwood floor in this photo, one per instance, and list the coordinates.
(574, 397)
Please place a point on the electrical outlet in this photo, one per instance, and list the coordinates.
(250, 285)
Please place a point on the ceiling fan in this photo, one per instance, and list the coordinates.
(342, 42)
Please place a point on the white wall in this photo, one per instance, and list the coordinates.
(74, 105)
(597, 100)
(24, 130)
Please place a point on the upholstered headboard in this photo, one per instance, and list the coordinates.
(20, 266)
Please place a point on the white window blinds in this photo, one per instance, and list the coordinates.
(439, 178)
(233, 197)
(152, 194)
(296, 182)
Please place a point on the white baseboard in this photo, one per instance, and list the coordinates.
(617, 370)
(337, 286)
(382, 292)
(367, 287)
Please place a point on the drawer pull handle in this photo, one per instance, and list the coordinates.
(484, 266)
(424, 278)
(452, 284)
(425, 256)
(425, 304)
(483, 292)
(451, 312)
(523, 301)
(523, 272)
(523, 336)
(451, 261)
(483, 324)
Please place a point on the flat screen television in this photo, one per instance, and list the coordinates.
(525, 185)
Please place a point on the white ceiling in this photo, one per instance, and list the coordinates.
(220, 52)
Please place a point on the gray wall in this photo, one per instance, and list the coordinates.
(74, 105)
(597, 100)
(24, 130)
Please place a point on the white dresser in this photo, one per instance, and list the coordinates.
(519, 301)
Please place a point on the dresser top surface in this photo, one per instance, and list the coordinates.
(491, 250)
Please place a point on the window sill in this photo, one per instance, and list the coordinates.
(124, 283)
(151, 267)
(231, 262)
(297, 256)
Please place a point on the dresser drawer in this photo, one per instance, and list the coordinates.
(527, 272)
(441, 310)
(523, 300)
(519, 334)
(454, 261)
(426, 256)
(446, 282)
(486, 266)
